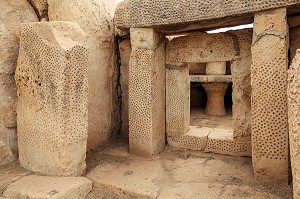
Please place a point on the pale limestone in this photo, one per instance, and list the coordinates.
(216, 68)
(125, 51)
(270, 145)
(96, 22)
(13, 13)
(162, 14)
(294, 117)
(177, 100)
(52, 98)
(215, 98)
(195, 139)
(44, 187)
(221, 141)
(146, 94)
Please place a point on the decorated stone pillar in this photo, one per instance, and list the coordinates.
(51, 78)
(177, 99)
(270, 146)
(146, 92)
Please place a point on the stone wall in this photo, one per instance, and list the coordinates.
(13, 13)
(96, 22)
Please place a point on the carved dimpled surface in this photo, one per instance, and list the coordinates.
(269, 100)
(52, 90)
(158, 13)
(177, 100)
(147, 99)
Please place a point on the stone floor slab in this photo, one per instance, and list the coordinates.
(45, 187)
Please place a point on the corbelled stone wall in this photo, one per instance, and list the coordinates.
(13, 13)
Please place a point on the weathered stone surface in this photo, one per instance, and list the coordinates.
(215, 98)
(12, 14)
(195, 139)
(125, 52)
(241, 79)
(216, 68)
(96, 22)
(270, 146)
(44, 187)
(177, 100)
(164, 13)
(294, 41)
(41, 8)
(147, 82)
(52, 83)
(199, 47)
(233, 46)
(221, 141)
(294, 118)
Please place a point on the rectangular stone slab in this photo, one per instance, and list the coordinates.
(52, 106)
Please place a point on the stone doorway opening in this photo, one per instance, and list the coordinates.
(211, 95)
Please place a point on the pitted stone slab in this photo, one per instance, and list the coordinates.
(221, 141)
(45, 187)
(51, 78)
(194, 139)
(162, 13)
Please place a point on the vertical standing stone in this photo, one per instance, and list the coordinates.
(96, 22)
(294, 120)
(146, 92)
(52, 106)
(12, 14)
(177, 100)
(125, 52)
(270, 149)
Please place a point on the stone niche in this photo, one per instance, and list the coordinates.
(51, 78)
(205, 72)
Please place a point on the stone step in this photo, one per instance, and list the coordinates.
(45, 187)
(213, 140)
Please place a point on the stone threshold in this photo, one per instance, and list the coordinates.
(213, 140)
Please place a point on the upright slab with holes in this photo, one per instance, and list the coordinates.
(52, 84)
(146, 92)
(270, 146)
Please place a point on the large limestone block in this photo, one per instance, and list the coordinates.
(147, 82)
(52, 83)
(45, 187)
(177, 100)
(241, 79)
(189, 13)
(96, 22)
(41, 8)
(294, 119)
(270, 145)
(125, 52)
(12, 14)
